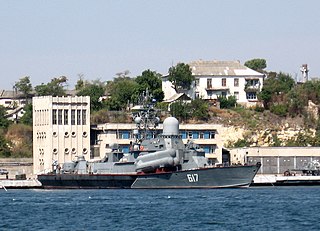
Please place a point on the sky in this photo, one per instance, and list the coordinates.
(97, 39)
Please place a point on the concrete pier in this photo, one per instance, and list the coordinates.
(30, 183)
(280, 180)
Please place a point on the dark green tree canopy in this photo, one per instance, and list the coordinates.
(54, 88)
(4, 122)
(151, 80)
(95, 90)
(256, 64)
(181, 76)
(27, 116)
(24, 85)
(121, 91)
(275, 88)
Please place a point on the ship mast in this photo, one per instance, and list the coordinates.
(145, 117)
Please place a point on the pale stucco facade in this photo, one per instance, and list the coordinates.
(61, 130)
(220, 78)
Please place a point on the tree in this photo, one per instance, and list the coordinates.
(4, 147)
(151, 80)
(256, 64)
(27, 116)
(4, 122)
(275, 88)
(181, 76)
(121, 90)
(180, 110)
(80, 83)
(24, 85)
(229, 102)
(54, 88)
(199, 109)
(95, 90)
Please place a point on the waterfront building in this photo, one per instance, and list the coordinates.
(220, 78)
(61, 130)
(207, 136)
(276, 160)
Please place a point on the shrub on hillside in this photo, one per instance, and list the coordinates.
(279, 109)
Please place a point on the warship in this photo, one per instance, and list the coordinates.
(154, 161)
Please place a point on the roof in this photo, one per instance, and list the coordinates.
(8, 94)
(218, 68)
(181, 96)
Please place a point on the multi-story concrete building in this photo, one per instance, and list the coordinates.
(61, 130)
(207, 136)
(220, 78)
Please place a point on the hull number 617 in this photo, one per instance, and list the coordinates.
(193, 177)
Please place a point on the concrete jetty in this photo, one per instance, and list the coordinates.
(20, 184)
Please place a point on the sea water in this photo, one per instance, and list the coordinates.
(255, 208)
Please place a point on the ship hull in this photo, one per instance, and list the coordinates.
(223, 177)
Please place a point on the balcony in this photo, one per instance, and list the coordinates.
(217, 88)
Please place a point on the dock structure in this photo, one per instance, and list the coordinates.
(281, 180)
(20, 184)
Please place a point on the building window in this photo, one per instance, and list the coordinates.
(208, 135)
(78, 117)
(196, 82)
(60, 116)
(236, 94)
(201, 136)
(251, 95)
(183, 135)
(66, 118)
(210, 149)
(84, 117)
(123, 135)
(197, 95)
(253, 83)
(223, 94)
(195, 135)
(209, 83)
(224, 82)
(73, 117)
(236, 82)
(54, 116)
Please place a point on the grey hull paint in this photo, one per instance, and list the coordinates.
(223, 177)
(238, 176)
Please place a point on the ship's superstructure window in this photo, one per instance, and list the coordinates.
(73, 117)
(60, 116)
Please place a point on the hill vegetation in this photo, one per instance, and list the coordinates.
(283, 103)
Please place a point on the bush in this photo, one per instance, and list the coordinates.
(279, 109)
(229, 102)
(259, 109)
